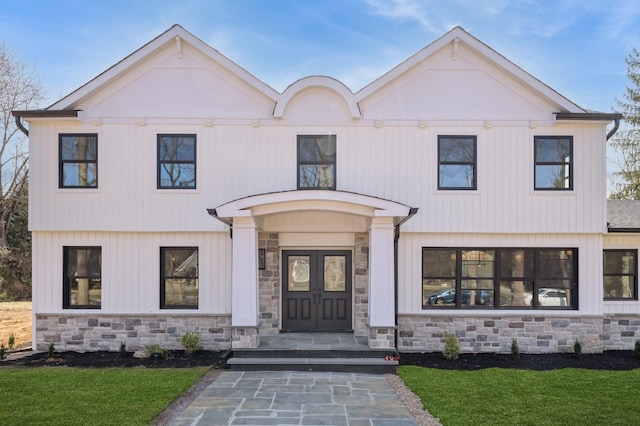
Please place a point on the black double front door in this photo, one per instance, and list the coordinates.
(316, 290)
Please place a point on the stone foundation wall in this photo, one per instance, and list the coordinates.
(269, 285)
(86, 333)
(544, 334)
(620, 332)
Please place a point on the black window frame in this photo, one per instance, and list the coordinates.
(536, 277)
(63, 162)
(331, 162)
(68, 276)
(568, 164)
(633, 274)
(164, 278)
(161, 162)
(442, 139)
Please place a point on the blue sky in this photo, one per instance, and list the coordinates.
(577, 47)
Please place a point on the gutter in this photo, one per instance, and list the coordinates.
(41, 113)
(396, 237)
(624, 230)
(213, 213)
(593, 116)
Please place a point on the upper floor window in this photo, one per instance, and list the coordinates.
(457, 162)
(179, 277)
(542, 278)
(176, 161)
(553, 162)
(82, 277)
(78, 155)
(620, 274)
(317, 162)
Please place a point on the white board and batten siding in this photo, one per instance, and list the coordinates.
(131, 270)
(396, 163)
(589, 267)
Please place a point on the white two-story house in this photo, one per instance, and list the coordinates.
(456, 194)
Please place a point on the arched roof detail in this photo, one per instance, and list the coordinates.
(311, 200)
(317, 81)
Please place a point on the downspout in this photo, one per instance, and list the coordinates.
(20, 126)
(396, 237)
(616, 126)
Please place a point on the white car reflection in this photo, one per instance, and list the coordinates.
(549, 297)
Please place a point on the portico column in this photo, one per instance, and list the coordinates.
(244, 284)
(381, 284)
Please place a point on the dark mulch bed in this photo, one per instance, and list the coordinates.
(609, 360)
(113, 359)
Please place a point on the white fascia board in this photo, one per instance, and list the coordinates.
(139, 55)
(295, 200)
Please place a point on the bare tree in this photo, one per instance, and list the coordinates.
(19, 90)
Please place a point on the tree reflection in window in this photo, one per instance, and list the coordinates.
(553, 162)
(177, 161)
(456, 162)
(78, 161)
(317, 162)
(179, 277)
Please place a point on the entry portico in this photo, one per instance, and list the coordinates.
(312, 219)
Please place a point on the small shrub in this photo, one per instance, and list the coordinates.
(577, 349)
(122, 352)
(3, 351)
(191, 342)
(157, 350)
(636, 349)
(12, 341)
(51, 351)
(451, 347)
(515, 349)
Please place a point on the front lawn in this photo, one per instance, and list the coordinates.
(90, 396)
(497, 396)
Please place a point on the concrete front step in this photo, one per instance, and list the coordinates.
(378, 365)
(313, 353)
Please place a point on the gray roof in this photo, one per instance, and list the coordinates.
(623, 215)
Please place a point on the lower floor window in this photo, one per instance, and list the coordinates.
(490, 278)
(82, 277)
(179, 277)
(620, 274)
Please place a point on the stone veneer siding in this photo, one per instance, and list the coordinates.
(88, 332)
(361, 285)
(269, 285)
(620, 331)
(535, 334)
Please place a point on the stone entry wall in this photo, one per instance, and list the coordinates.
(361, 285)
(86, 333)
(544, 334)
(269, 280)
(269, 285)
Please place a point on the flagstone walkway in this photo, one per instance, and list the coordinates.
(297, 398)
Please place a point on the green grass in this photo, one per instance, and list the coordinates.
(83, 396)
(520, 397)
